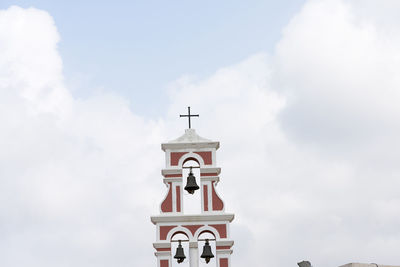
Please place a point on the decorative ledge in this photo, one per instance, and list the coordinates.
(174, 146)
(193, 218)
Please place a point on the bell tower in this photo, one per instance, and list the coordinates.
(204, 237)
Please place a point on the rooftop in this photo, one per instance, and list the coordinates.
(190, 139)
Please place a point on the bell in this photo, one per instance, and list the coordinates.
(180, 256)
(207, 254)
(191, 185)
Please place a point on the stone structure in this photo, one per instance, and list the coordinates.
(212, 219)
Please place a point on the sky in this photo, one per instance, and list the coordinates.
(121, 45)
(302, 95)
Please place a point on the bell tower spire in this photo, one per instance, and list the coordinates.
(180, 235)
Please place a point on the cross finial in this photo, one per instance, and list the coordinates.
(189, 116)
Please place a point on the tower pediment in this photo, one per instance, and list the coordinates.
(190, 139)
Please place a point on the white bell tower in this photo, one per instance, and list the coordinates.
(212, 220)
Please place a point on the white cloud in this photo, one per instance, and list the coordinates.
(340, 73)
(308, 135)
(315, 126)
(77, 175)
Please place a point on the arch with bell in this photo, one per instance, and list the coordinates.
(185, 246)
(191, 174)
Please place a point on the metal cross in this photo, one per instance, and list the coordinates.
(189, 115)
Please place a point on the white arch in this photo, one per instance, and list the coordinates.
(179, 229)
(191, 155)
(206, 228)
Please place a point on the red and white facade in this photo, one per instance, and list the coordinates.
(172, 220)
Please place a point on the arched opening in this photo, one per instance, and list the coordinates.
(174, 245)
(211, 240)
(191, 202)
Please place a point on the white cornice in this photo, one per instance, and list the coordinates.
(173, 146)
(224, 243)
(209, 178)
(172, 179)
(224, 252)
(162, 253)
(178, 170)
(192, 218)
(162, 245)
(210, 170)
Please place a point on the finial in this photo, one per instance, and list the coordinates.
(189, 116)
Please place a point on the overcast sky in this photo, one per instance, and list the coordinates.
(303, 95)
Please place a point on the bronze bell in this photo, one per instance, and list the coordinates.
(207, 254)
(191, 185)
(180, 255)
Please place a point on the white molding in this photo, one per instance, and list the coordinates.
(209, 178)
(162, 245)
(171, 171)
(221, 252)
(174, 146)
(172, 179)
(192, 218)
(210, 170)
(163, 255)
(224, 243)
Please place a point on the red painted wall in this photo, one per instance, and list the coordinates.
(166, 206)
(173, 175)
(205, 197)
(163, 263)
(223, 247)
(223, 262)
(221, 228)
(164, 230)
(206, 155)
(175, 156)
(192, 228)
(217, 203)
(163, 249)
(178, 198)
(208, 174)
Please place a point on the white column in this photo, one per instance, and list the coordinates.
(193, 254)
